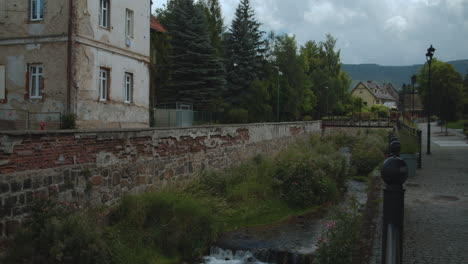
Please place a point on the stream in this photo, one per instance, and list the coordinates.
(289, 242)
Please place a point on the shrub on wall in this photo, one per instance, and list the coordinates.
(69, 121)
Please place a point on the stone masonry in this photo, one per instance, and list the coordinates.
(99, 167)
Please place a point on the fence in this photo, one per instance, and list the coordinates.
(358, 122)
(24, 120)
(182, 118)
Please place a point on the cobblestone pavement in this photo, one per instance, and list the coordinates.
(436, 205)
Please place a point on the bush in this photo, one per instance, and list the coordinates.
(365, 158)
(57, 233)
(169, 222)
(336, 245)
(69, 121)
(381, 111)
(305, 182)
(308, 118)
(238, 116)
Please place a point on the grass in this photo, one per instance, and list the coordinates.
(409, 143)
(456, 125)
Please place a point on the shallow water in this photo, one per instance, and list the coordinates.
(220, 256)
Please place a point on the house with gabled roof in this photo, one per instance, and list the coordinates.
(374, 94)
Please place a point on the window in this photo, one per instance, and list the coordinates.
(129, 23)
(105, 14)
(103, 84)
(2, 82)
(35, 81)
(128, 87)
(36, 10)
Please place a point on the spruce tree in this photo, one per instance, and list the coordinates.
(243, 51)
(198, 74)
(215, 24)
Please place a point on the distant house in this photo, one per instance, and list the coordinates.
(374, 94)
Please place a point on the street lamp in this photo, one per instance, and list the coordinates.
(326, 87)
(429, 55)
(413, 81)
(277, 94)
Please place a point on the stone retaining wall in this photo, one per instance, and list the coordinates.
(99, 167)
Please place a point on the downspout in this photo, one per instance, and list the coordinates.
(70, 54)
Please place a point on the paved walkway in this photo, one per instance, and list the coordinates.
(436, 205)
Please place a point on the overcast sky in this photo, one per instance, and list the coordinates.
(386, 32)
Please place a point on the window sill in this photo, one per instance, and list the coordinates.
(105, 28)
(38, 21)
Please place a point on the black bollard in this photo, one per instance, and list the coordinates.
(394, 173)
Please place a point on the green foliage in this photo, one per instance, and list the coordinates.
(237, 116)
(215, 22)
(258, 101)
(446, 92)
(340, 236)
(169, 222)
(380, 110)
(58, 233)
(198, 74)
(368, 152)
(409, 142)
(243, 44)
(69, 121)
(296, 96)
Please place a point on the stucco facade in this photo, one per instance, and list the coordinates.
(69, 50)
(372, 94)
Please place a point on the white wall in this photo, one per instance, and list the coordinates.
(115, 36)
(89, 108)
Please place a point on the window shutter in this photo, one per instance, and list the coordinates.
(2, 82)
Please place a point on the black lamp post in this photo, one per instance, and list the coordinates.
(413, 81)
(429, 55)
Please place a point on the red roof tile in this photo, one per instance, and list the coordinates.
(154, 24)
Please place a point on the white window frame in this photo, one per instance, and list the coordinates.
(2, 82)
(36, 10)
(129, 22)
(36, 72)
(128, 87)
(104, 14)
(104, 84)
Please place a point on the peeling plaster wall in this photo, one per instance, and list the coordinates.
(91, 113)
(16, 59)
(102, 166)
(17, 23)
(88, 24)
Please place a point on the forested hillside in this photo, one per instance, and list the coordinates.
(397, 75)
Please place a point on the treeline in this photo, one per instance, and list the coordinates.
(242, 72)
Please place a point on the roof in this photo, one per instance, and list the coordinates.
(377, 91)
(156, 25)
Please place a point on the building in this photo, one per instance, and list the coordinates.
(373, 94)
(87, 58)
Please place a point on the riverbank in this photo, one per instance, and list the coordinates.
(180, 225)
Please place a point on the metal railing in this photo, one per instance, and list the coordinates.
(394, 173)
(182, 118)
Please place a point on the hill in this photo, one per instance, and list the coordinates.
(397, 75)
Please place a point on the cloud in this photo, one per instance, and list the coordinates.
(388, 32)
